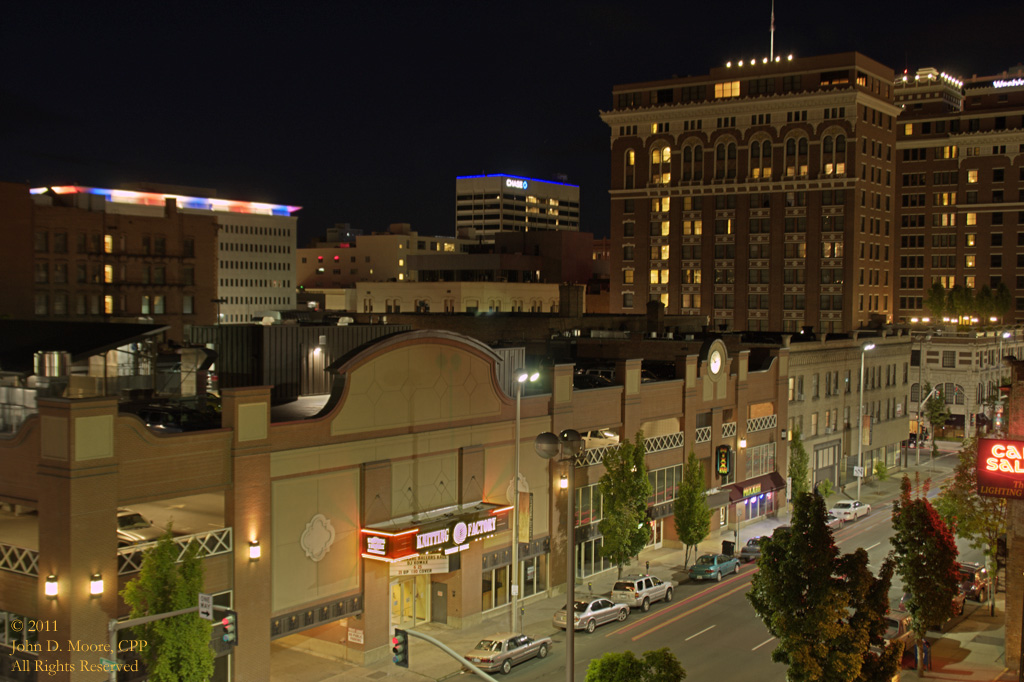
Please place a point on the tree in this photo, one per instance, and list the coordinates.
(960, 302)
(881, 471)
(977, 519)
(869, 602)
(935, 301)
(179, 647)
(984, 303)
(823, 609)
(625, 489)
(659, 665)
(692, 514)
(925, 554)
(1003, 300)
(799, 465)
(935, 410)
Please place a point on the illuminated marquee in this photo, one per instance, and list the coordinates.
(1000, 466)
(1012, 83)
(413, 542)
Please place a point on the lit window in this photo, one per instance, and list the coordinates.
(108, 243)
(108, 305)
(727, 89)
(664, 252)
(401, 262)
(972, 218)
(969, 262)
(971, 238)
(108, 273)
(972, 176)
(401, 276)
(630, 158)
(908, 129)
(654, 276)
(656, 156)
(627, 276)
(664, 275)
(665, 227)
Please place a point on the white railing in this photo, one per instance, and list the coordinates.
(19, 560)
(761, 423)
(211, 543)
(653, 444)
(729, 430)
(703, 434)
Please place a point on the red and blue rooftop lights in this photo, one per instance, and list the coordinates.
(121, 196)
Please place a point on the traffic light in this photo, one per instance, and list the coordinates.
(230, 624)
(400, 648)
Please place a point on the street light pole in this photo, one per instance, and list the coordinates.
(521, 376)
(860, 416)
(549, 446)
(920, 388)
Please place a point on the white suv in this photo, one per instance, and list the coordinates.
(640, 591)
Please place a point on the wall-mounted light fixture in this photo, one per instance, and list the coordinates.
(563, 482)
(51, 586)
(743, 442)
(321, 345)
(96, 585)
(254, 550)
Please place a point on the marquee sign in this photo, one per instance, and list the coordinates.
(433, 538)
(1000, 467)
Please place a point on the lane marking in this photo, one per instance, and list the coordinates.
(675, 606)
(763, 643)
(699, 633)
(687, 613)
(868, 549)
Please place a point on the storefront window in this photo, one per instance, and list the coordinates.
(588, 558)
(495, 588)
(534, 575)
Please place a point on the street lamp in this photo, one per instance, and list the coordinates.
(570, 445)
(860, 415)
(920, 387)
(521, 376)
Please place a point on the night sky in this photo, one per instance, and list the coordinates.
(367, 114)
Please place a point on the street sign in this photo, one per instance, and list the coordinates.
(206, 606)
(858, 472)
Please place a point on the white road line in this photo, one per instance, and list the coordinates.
(699, 633)
(763, 643)
(868, 549)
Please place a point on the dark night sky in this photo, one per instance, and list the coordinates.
(366, 115)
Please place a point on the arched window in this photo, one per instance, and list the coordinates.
(661, 165)
(761, 159)
(629, 167)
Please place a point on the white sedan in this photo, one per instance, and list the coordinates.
(850, 510)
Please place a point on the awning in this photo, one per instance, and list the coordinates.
(718, 499)
(755, 486)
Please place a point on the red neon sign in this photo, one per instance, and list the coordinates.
(1000, 466)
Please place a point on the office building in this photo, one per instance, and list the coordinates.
(486, 205)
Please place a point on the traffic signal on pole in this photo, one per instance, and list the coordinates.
(230, 624)
(400, 648)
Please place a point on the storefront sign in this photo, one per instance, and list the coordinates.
(421, 565)
(452, 537)
(1000, 466)
(752, 490)
(1013, 82)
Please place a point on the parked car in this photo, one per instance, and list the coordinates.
(583, 381)
(958, 601)
(974, 580)
(600, 438)
(752, 550)
(641, 591)
(503, 650)
(587, 615)
(133, 528)
(833, 521)
(898, 627)
(714, 566)
(850, 510)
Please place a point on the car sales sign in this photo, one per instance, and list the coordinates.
(1001, 468)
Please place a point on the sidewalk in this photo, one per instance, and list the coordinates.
(971, 652)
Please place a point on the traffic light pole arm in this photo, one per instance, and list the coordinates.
(115, 625)
(443, 647)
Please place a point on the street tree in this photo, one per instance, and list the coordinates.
(960, 302)
(659, 665)
(925, 554)
(980, 520)
(799, 465)
(935, 301)
(1002, 300)
(935, 410)
(984, 303)
(806, 605)
(625, 489)
(692, 514)
(881, 471)
(178, 647)
(869, 604)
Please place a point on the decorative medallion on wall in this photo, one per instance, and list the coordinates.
(318, 537)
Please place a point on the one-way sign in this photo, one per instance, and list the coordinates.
(206, 606)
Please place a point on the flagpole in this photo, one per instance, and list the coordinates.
(771, 48)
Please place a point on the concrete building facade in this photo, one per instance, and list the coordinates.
(486, 205)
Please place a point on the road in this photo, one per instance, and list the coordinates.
(711, 626)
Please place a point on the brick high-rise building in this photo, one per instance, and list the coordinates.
(759, 195)
(960, 172)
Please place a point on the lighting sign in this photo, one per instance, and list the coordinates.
(451, 538)
(1001, 468)
(376, 544)
(1012, 83)
(516, 184)
(750, 491)
(722, 460)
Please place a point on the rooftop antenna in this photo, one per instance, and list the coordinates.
(771, 47)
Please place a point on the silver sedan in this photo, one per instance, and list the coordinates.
(506, 649)
(589, 614)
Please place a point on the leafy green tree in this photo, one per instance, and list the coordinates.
(659, 665)
(692, 514)
(799, 465)
(179, 647)
(935, 301)
(925, 554)
(960, 302)
(881, 471)
(869, 603)
(1003, 300)
(979, 520)
(824, 488)
(625, 489)
(984, 303)
(805, 605)
(935, 410)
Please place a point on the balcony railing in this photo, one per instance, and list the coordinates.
(211, 543)
(729, 430)
(19, 560)
(652, 444)
(761, 423)
(703, 434)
